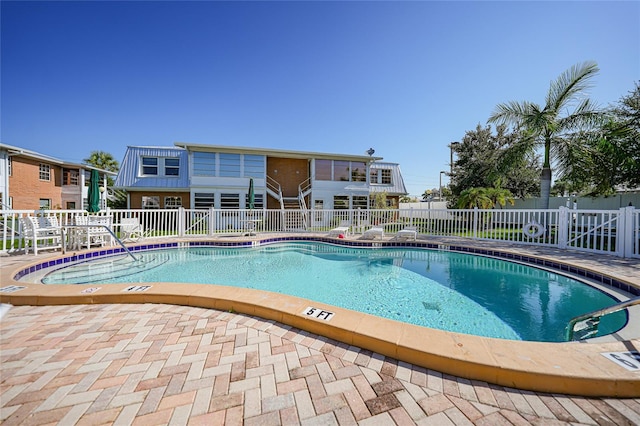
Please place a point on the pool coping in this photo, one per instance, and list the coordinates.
(576, 368)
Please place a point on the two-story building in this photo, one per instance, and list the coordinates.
(30, 181)
(200, 176)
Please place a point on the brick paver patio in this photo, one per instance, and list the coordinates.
(163, 364)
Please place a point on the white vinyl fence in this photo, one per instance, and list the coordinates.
(614, 232)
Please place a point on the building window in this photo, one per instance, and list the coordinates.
(204, 200)
(341, 171)
(70, 177)
(254, 166)
(258, 201)
(171, 166)
(360, 202)
(45, 172)
(341, 202)
(9, 165)
(323, 169)
(172, 202)
(71, 205)
(385, 176)
(358, 171)
(45, 203)
(150, 202)
(318, 205)
(381, 176)
(204, 164)
(150, 166)
(6, 205)
(229, 201)
(229, 165)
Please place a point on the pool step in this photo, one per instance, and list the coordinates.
(103, 271)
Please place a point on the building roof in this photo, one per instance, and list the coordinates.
(15, 150)
(397, 183)
(129, 175)
(275, 152)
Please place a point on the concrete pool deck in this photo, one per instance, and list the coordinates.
(461, 364)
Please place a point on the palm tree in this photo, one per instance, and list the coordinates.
(475, 197)
(500, 196)
(549, 125)
(105, 161)
(102, 160)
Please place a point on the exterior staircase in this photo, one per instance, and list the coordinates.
(294, 209)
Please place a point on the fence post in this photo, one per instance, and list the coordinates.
(625, 232)
(564, 219)
(212, 221)
(475, 222)
(181, 221)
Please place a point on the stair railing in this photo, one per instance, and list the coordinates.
(274, 187)
(591, 320)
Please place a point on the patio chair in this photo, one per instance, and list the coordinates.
(131, 229)
(373, 232)
(410, 232)
(91, 231)
(41, 233)
(343, 229)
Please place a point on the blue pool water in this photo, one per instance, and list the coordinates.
(438, 289)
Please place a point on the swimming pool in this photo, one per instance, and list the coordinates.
(438, 289)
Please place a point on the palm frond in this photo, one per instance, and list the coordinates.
(585, 116)
(512, 112)
(569, 84)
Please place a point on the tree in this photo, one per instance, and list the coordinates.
(102, 160)
(379, 200)
(500, 196)
(611, 157)
(475, 197)
(105, 161)
(620, 138)
(486, 160)
(550, 125)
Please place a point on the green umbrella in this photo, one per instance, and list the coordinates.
(252, 195)
(93, 196)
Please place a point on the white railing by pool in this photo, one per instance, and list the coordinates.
(614, 232)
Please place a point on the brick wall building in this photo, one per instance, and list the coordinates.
(32, 181)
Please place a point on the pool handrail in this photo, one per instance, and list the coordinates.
(593, 318)
(113, 235)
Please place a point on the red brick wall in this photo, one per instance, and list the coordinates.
(136, 198)
(26, 188)
(291, 172)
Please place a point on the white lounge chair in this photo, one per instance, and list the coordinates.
(41, 233)
(343, 229)
(130, 229)
(372, 233)
(410, 232)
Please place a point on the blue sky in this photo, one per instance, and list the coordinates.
(405, 78)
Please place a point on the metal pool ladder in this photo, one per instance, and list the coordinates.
(587, 324)
(99, 226)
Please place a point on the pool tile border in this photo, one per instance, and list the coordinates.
(598, 277)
